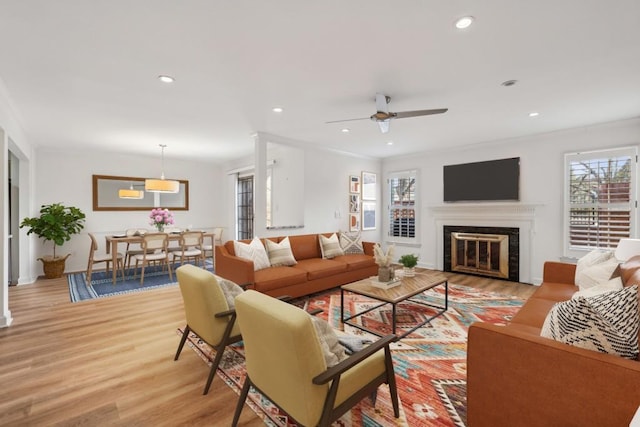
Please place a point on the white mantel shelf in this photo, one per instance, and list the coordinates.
(520, 215)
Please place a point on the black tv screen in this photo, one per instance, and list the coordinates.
(494, 180)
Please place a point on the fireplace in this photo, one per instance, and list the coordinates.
(484, 251)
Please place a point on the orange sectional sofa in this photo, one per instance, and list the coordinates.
(311, 274)
(517, 378)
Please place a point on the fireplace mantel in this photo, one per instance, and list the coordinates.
(520, 215)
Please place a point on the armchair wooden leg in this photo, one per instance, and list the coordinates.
(391, 381)
(241, 399)
(185, 334)
(214, 365)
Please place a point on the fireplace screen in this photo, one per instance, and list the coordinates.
(486, 254)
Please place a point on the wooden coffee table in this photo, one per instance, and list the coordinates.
(410, 287)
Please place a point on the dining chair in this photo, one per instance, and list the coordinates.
(96, 258)
(285, 363)
(190, 247)
(216, 239)
(154, 249)
(133, 249)
(208, 313)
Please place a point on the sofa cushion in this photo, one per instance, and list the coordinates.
(280, 253)
(606, 323)
(555, 291)
(278, 277)
(305, 246)
(351, 243)
(330, 246)
(534, 312)
(253, 251)
(356, 261)
(318, 268)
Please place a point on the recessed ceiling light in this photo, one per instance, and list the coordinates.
(166, 79)
(390, 143)
(509, 83)
(277, 109)
(345, 130)
(534, 114)
(464, 22)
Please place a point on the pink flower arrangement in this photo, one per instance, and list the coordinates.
(160, 217)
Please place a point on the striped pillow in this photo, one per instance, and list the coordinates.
(607, 323)
(350, 243)
(280, 253)
(330, 246)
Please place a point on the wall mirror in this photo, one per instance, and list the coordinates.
(106, 198)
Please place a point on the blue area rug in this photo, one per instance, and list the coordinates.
(102, 286)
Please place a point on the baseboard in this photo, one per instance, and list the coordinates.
(6, 320)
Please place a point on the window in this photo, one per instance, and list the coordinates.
(601, 199)
(244, 206)
(402, 205)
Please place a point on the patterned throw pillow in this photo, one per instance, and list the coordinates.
(280, 253)
(254, 251)
(230, 291)
(607, 323)
(351, 243)
(330, 246)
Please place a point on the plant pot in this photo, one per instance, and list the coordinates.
(409, 271)
(53, 267)
(384, 274)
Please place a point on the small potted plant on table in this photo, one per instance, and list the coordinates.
(56, 223)
(409, 262)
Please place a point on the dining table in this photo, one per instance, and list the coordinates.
(114, 239)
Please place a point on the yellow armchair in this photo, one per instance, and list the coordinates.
(207, 312)
(285, 363)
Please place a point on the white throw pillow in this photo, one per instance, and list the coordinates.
(330, 246)
(280, 253)
(596, 274)
(253, 251)
(230, 291)
(614, 284)
(332, 350)
(594, 257)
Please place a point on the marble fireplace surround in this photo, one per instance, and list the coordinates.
(517, 215)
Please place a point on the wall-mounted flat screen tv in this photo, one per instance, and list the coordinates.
(493, 180)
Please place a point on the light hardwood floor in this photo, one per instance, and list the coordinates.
(110, 361)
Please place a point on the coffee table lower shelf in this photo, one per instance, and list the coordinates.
(381, 296)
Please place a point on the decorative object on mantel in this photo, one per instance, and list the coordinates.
(384, 259)
(56, 223)
(159, 218)
(409, 262)
(162, 185)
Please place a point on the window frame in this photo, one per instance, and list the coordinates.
(409, 173)
(574, 251)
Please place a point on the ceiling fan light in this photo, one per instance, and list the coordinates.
(464, 22)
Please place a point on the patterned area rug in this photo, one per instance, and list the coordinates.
(102, 285)
(430, 363)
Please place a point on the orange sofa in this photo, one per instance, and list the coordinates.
(517, 378)
(311, 274)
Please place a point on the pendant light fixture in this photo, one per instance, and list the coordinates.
(130, 193)
(162, 185)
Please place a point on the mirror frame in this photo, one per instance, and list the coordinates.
(96, 207)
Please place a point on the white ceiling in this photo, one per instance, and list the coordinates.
(84, 73)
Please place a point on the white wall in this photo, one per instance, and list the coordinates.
(65, 176)
(541, 180)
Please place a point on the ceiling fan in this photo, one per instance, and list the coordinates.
(383, 116)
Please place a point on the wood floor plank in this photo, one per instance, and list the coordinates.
(109, 361)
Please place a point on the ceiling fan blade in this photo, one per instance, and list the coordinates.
(382, 104)
(384, 126)
(416, 113)
(347, 120)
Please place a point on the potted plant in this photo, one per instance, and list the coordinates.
(56, 223)
(409, 262)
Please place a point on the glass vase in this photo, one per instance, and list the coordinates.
(160, 228)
